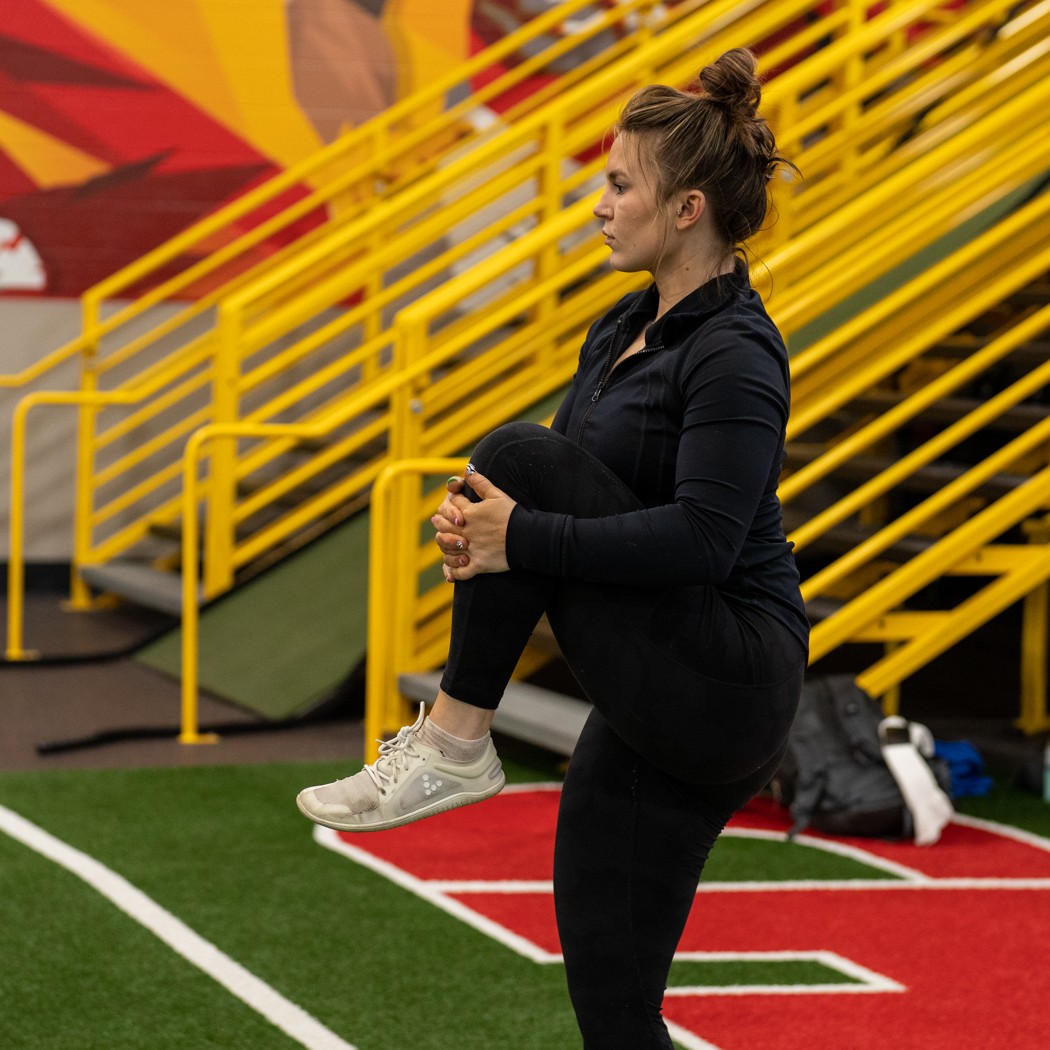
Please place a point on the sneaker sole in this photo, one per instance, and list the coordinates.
(442, 806)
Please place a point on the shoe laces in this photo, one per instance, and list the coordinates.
(394, 755)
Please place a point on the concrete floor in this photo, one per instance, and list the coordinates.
(85, 704)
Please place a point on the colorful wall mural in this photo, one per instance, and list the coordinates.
(123, 121)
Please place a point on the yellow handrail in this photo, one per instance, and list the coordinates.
(16, 525)
(932, 564)
(258, 333)
(967, 268)
(867, 493)
(281, 275)
(67, 352)
(390, 597)
(376, 142)
(396, 563)
(420, 313)
(255, 298)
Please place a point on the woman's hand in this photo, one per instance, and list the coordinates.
(473, 536)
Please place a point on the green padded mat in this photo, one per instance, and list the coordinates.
(281, 643)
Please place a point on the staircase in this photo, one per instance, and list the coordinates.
(928, 464)
(349, 365)
(249, 396)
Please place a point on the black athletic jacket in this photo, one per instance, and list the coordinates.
(694, 425)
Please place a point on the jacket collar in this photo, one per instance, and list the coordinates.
(689, 312)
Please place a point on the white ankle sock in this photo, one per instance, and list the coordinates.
(454, 747)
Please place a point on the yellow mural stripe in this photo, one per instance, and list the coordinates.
(46, 160)
(250, 42)
(227, 57)
(429, 39)
(166, 39)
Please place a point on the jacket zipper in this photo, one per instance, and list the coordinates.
(610, 367)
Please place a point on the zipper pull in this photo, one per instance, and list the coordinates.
(611, 360)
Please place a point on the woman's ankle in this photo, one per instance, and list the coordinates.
(460, 719)
(454, 747)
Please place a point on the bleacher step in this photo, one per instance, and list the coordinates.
(527, 712)
(139, 582)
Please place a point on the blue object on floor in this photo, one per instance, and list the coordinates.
(965, 766)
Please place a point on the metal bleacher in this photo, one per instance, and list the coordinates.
(437, 272)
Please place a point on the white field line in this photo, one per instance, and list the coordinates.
(690, 1040)
(466, 886)
(1029, 838)
(840, 849)
(903, 877)
(438, 892)
(839, 885)
(255, 993)
(438, 898)
(867, 980)
(435, 894)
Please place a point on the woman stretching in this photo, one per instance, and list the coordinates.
(645, 523)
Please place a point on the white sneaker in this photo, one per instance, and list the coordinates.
(410, 780)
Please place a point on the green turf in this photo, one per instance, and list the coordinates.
(1010, 805)
(738, 860)
(760, 972)
(224, 849)
(78, 973)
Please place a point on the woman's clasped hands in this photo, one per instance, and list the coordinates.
(472, 536)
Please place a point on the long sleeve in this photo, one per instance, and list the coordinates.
(719, 404)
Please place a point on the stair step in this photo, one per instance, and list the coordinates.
(140, 583)
(962, 344)
(931, 477)
(849, 534)
(526, 712)
(950, 409)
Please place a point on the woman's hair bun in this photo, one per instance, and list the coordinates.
(733, 81)
(711, 137)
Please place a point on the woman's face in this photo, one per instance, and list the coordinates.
(635, 227)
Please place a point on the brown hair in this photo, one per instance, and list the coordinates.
(710, 137)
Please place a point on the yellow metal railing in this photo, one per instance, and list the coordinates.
(429, 629)
(435, 416)
(366, 163)
(902, 163)
(408, 617)
(1004, 252)
(369, 162)
(398, 493)
(905, 334)
(400, 403)
(323, 346)
(232, 349)
(872, 108)
(252, 320)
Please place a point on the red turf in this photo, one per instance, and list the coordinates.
(968, 956)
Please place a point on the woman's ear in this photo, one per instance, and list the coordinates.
(690, 206)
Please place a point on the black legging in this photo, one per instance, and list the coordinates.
(693, 700)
